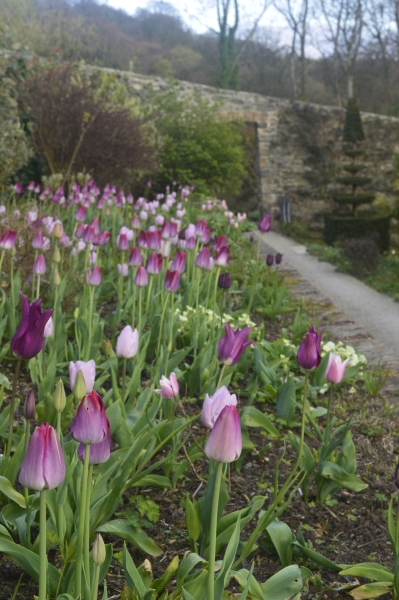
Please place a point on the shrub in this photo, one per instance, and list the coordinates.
(197, 146)
(79, 124)
(362, 254)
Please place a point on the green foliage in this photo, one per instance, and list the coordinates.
(197, 146)
(353, 128)
(14, 148)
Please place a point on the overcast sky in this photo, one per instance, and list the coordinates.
(201, 16)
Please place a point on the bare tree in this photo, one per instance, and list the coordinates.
(298, 23)
(344, 23)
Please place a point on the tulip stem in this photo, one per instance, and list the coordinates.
(81, 529)
(90, 321)
(140, 303)
(26, 493)
(162, 320)
(124, 379)
(134, 305)
(38, 286)
(300, 449)
(221, 376)
(328, 417)
(42, 547)
(94, 592)
(397, 532)
(86, 545)
(254, 277)
(208, 291)
(212, 539)
(11, 421)
(149, 293)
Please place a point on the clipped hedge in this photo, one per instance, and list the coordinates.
(339, 226)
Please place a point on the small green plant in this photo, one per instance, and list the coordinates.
(375, 379)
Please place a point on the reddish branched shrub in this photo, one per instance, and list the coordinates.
(76, 127)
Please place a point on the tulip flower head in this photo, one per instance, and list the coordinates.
(39, 267)
(309, 354)
(224, 281)
(169, 387)
(28, 339)
(43, 467)
(335, 370)
(204, 260)
(136, 260)
(279, 258)
(225, 442)
(90, 423)
(172, 281)
(127, 344)
(264, 225)
(141, 277)
(232, 344)
(49, 328)
(93, 277)
(99, 453)
(213, 405)
(179, 262)
(7, 241)
(88, 371)
(30, 406)
(223, 257)
(270, 260)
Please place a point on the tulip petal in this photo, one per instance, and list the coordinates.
(225, 442)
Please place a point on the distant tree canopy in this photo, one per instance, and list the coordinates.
(155, 41)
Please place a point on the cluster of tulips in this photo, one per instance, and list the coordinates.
(101, 238)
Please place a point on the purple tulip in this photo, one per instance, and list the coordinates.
(225, 442)
(30, 406)
(123, 270)
(213, 405)
(28, 339)
(39, 241)
(39, 267)
(136, 222)
(122, 242)
(143, 239)
(7, 241)
(265, 224)
(127, 343)
(279, 258)
(43, 467)
(219, 242)
(99, 453)
(169, 387)
(224, 281)
(88, 371)
(153, 265)
(335, 370)
(89, 235)
(141, 277)
(80, 214)
(18, 188)
(204, 260)
(179, 262)
(90, 423)
(232, 345)
(309, 355)
(136, 260)
(93, 277)
(101, 239)
(270, 260)
(223, 257)
(190, 243)
(172, 281)
(200, 228)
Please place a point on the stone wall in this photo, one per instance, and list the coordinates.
(299, 144)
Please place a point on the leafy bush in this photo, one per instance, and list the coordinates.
(80, 123)
(14, 148)
(197, 146)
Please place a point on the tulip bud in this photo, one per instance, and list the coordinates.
(225, 442)
(127, 344)
(56, 255)
(59, 397)
(30, 406)
(309, 355)
(76, 313)
(79, 389)
(58, 230)
(98, 552)
(90, 424)
(397, 476)
(56, 277)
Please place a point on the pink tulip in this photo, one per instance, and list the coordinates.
(335, 370)
(223, 257)
(127, 344)
(141, 277)
(172, 281)
(8, 240)
(136, 260)
(225, 442)
(213, 405)
(88, 371)
(99, 453)
(169, 387)
(123, 270)
(43, 467)
(93, 277)
(90, 423)
(39, 267)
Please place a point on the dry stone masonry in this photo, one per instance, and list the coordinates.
(299, 144)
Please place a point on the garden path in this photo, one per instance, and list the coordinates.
(353, 312)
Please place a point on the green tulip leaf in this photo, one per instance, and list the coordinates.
(135, 536)
(336, 473)
(372, 571)
(285, 401)
(29, 562)
(318, 558)
(371, 590)
(7, 489)
(281, 536)
(284, 585)
(132, 575)
(252, 417)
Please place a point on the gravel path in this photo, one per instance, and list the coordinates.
(355, 313)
